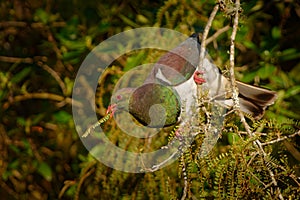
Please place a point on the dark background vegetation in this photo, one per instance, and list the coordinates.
(42, 44)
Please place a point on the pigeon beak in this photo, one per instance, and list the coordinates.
(197, 77)
(111, 109)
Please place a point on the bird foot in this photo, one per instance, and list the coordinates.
(198, 80)
(178, 134)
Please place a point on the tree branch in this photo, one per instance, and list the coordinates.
(257, 143)
(42, 95)
(217, 33)
(281, 139)
(55, 75)
(205, 34)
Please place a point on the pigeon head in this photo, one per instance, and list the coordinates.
(120, 99)
(177, 65)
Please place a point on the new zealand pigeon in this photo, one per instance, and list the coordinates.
(171, 87)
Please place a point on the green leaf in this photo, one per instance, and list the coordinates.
(292, 91)
(27, 147)
(45, 170)
(20, 75)
(249, 77)
(69, 85)
(289, 113)
(266, 71)
(142, 19)
(4, 79)
(14, 164)
(276, 33)
(103, 27)
(41, 15)
(233, 138)
(62, 117)
(71, 55)
(14, 148)
(289, 54)
(250, 44)
(282, 79)
(79, 45)
(21, 121)
(135, 60)
(5, 175)
(128, 21)
(294, 73)
(71, 191)
(37, 118)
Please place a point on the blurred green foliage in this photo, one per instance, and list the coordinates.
(42, 44)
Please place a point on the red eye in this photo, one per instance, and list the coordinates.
(119, 97)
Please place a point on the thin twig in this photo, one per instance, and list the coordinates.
(8, 189)
(254, 176)
(67, 184)
(217, 33)
(201, 61)
(42, 95)
(235, 93)
(205, 34)
(40, 62)
(236, 99)
(33, 25)
(255, 133)
(159, 165)
(16, 59)
(290, 175)
(55, 75)
(185, 189)
(274, 182)
(85, 175)
(281, 139)
(156, 167)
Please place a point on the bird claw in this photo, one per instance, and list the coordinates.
(199, 80)
(178, 134)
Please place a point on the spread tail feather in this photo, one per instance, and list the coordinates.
(254, 100)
